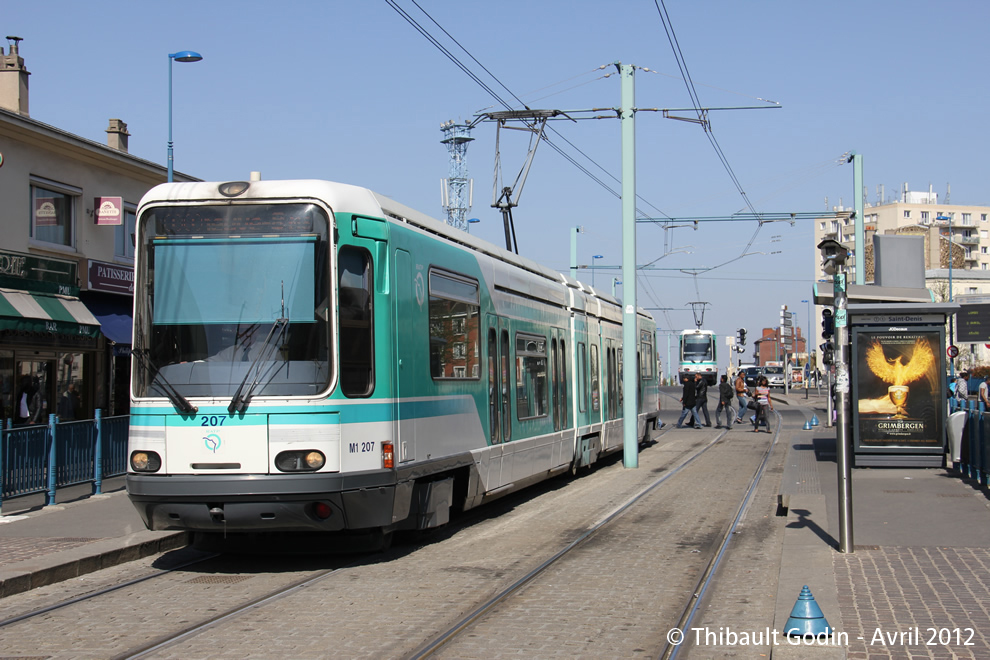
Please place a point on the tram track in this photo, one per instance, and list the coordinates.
(222, 619)
(697, 593)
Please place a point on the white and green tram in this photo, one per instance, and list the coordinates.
(311, 356)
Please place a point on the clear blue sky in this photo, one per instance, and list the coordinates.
(349, 91)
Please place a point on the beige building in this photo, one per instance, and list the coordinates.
(963, 231)
(67, 213)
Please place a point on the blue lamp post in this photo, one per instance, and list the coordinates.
(472, 221)
(181, 56)
(594, 258)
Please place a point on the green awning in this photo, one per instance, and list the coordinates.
(44, 312)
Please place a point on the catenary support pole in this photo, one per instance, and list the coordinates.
(630, 340)
(859, 221)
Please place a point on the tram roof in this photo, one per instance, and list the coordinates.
(363, 201)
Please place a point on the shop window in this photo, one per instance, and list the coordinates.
(53, 212)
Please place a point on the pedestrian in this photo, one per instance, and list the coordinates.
(22, 414)
(725, 394)
(985, 393)
(701, 401)
(763, 404)
(687, 400)
(741, 392)
(962, 389)
(68, 405)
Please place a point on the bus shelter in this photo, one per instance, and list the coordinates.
(898, 364)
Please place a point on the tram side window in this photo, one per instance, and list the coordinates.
(646, 355)
(596, 398)
(357, 354)
(582, 377)
(454, 307)
(531, 376)
(618, 381)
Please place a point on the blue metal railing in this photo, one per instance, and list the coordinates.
(42, 459)
(975, 453)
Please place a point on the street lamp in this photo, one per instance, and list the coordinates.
(181, 56)
(807, 351)
(593, 258)
(615, 280)
(472, 221)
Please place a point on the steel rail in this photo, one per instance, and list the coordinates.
(102, 592)
(694, 602)
(466, 622)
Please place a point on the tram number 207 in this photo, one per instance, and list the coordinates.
(360, 447)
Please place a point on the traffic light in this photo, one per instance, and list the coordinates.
(828, 323)
(827, 348)
(741, 334)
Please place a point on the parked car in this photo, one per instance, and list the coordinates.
(751, 374)
(774, 375)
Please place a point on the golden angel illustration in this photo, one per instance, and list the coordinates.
(898, 374)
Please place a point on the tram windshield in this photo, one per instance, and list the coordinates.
(696, 348)
(233, 294)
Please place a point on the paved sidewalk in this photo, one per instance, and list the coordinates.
(917, 583)
(62, 541)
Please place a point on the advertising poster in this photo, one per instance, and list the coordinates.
(898, 396)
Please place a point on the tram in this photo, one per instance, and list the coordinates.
(698, 355)
(311, 356)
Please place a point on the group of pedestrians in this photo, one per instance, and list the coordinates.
(694, 402)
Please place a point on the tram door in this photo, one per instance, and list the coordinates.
(410, 301)
(499, 380)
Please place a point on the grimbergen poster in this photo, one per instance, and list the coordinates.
(898, 396)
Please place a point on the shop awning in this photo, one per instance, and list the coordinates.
(114, 314)
(46, 312)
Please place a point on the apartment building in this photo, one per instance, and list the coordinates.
(957, 237)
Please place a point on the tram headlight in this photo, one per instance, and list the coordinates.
(304, 460)
(145, 461)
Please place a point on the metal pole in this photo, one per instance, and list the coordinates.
(170, 119)
(859, 222)
(952, 339)
(630, 340)
(842, 437)
(574, 265)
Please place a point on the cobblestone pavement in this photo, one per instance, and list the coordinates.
(915, 602)
(618, 595)
(388, 604)
(13, 550)
(742, 597)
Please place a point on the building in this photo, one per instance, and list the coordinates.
(66, 257)
(770, 347)
(948, 229)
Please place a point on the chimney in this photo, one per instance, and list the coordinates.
(117, 135)
(13, 80)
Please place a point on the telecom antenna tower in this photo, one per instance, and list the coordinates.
(457, 191)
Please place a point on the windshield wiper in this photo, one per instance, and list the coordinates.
(180, 402)
(239, 402)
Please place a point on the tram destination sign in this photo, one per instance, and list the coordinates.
(974, 324)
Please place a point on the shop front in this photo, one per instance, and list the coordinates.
(49, 341)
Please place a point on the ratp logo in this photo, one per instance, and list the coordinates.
(212, 442)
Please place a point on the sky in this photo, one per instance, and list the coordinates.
(352, 92)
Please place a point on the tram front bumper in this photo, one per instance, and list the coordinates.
(258, 503)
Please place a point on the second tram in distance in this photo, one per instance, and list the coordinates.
(698, 355)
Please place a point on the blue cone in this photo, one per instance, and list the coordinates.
(807, 426)
(806, 618)
(814, 419)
